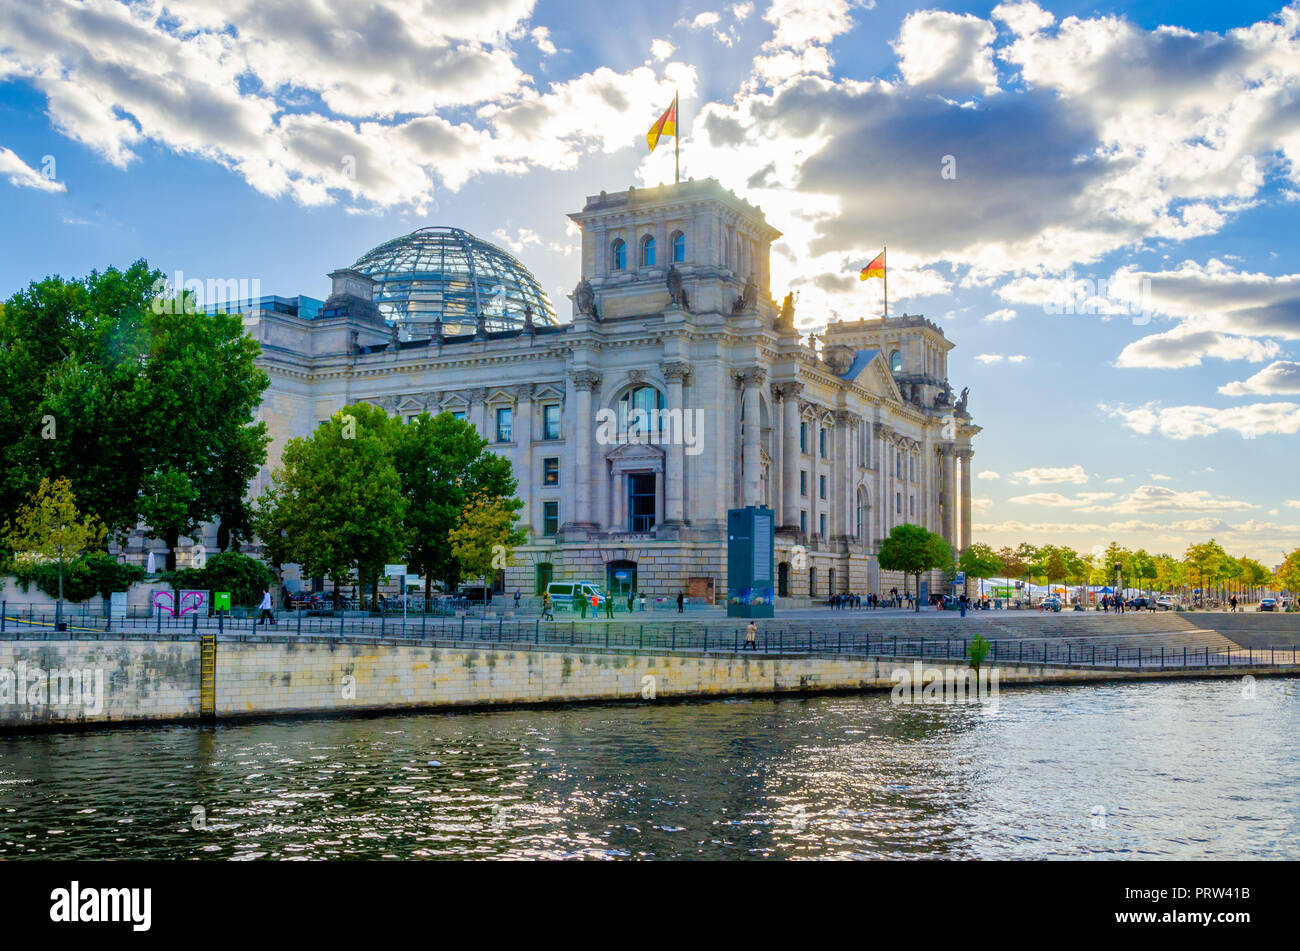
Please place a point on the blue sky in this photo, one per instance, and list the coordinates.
(1154, 147)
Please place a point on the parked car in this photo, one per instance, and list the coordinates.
(1167, 602)
(563, 593)
(1051, 603)
(1267, 604)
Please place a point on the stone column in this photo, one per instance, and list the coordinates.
(585, 382)
(790, 456)
(840, 469)
(752, 380)
(676, 373)
(949, 500)
(478, 412)
(965, 455)
(524, 440)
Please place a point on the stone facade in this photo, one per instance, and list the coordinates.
(681, 389)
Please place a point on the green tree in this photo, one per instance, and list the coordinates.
(336, 505)
(1288, 575)
(1254, 576)
(1142, 567)
(1205, 562)
(443, 463)
(123, 391)
(49, 527)
(913, 550)
(486, 535)
(980, 561)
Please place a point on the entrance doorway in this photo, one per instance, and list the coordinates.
(620, 578)
(641, 501)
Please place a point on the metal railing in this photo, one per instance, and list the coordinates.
(651, 636)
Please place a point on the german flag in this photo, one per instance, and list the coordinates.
(667, 125)
(875, 269)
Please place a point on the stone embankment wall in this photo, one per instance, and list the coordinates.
(145, 681)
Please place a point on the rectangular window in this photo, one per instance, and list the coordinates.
(821, 487)
(803, 481)
(898, 503)
(459, 415)
(821, 440)
(413, 417)
(505, 424)
(803, 522)
(803, 437)
(911, 506)
(551, 471)
(550, 518)
(551, 421)
(821, 524)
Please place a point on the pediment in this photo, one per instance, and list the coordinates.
(631, 453)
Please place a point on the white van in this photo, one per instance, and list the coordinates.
(563, 593)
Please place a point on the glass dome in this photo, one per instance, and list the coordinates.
(448, 274)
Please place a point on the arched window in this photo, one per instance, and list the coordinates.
(648, 251)
(619, 253)
(638, 411)
(896, 362)
(679, 247)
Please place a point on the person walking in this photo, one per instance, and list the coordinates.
(516, 601)
(582, 605)
(266, 614)
(547, 613)
(631, 600)
(1232, 602)
(751, 636)
(964, 602)
(609, 607)
(680, 602)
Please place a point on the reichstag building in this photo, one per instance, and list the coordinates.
(677, 388)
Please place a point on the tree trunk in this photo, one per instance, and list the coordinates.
(173, 539)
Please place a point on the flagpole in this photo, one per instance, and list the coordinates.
(885, 254)
(677, 141)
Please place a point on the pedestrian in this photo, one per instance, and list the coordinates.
(609, 607)
(516, 600)
(631, 599)
(595, 607)
(680, 602)
(1232, 601)
(582, 604)
(266, 614)
(547, 613)
(964, 601)
(751, 636)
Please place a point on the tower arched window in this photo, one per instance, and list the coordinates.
(648, 251)
(639, 411)
(619, 254)
(679, 247)
(896, 362)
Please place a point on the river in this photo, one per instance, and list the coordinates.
(1183, 769)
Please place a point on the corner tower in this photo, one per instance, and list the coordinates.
(717, 242)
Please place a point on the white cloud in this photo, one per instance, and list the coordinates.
(1187, 346)
(1023, 18)
(949, 53)
(1280, 377)
(988, 474)
(367, 126)
(1161, 478)
(542, 37)
(661, 49)
(22, 175)
(1183, 422)
(1143, 499)
(1047, 475)
(1005, 313)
